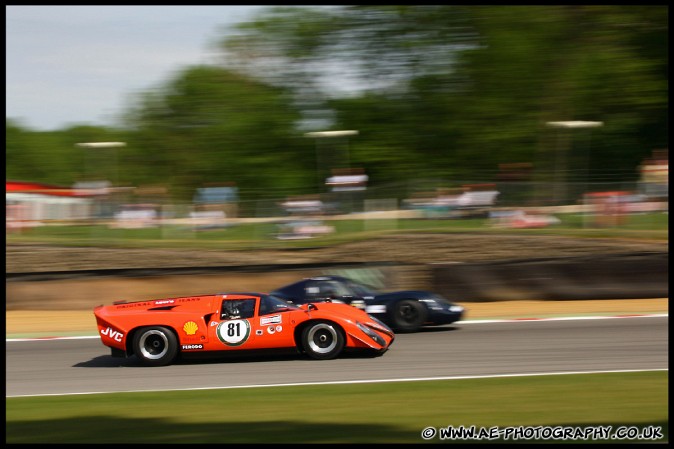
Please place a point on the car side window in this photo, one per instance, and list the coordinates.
(237, 308)
(327, 290)
(312, 290)
(332, 289)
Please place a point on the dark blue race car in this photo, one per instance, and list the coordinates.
(403, 311)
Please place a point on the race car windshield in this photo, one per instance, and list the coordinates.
(360, 289)
(273, 304)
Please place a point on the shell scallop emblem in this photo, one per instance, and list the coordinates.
(190, 328)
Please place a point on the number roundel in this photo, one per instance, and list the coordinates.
(233, 332)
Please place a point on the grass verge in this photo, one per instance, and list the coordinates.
(394, 412)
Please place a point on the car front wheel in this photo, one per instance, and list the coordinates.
(323, 340)
(155, 346)
(408, 316)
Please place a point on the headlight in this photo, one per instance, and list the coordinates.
(381, 323)
(370, 333)
(456, 309)
(377, 308)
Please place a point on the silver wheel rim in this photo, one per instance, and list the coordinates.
(153, 345)
(322, 338)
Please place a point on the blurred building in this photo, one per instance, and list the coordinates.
(103, 198)
(347, 180)
(654, 178)
(303, 205)
(146, 207)
(469, 201)
(214, 205)
(304, 218)
(32, 203)
(221, 198)
(347, 188)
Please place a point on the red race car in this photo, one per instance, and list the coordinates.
(158, 331)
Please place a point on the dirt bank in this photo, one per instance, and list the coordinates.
(398, 248)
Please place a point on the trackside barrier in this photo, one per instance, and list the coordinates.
(605, 276)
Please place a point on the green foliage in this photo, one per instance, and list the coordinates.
(52, 156)
(393, 412)
(447, 92)
(209, 125)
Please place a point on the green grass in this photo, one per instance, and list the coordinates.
(357, 413)
(261, 235)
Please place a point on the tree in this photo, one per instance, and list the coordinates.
(211, 125)
(435, 91)
(462, 89)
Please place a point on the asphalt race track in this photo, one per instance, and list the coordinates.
(464, 349)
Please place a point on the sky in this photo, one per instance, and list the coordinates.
(81, 65)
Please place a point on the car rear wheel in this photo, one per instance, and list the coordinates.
(408, 316)
(323, 340)
(155, 346)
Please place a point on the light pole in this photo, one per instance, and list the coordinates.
(562, 150)
(96, 145)
(323, 134)
(105, 145)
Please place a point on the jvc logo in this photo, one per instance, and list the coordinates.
(117, 336)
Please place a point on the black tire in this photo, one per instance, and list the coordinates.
(408, 315)
(323, 340)
(155, 346)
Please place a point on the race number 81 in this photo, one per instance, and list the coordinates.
(234, 332)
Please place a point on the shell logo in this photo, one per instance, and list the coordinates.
(190, 328)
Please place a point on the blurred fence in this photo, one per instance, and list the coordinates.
(510, 195)
(305, 216)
